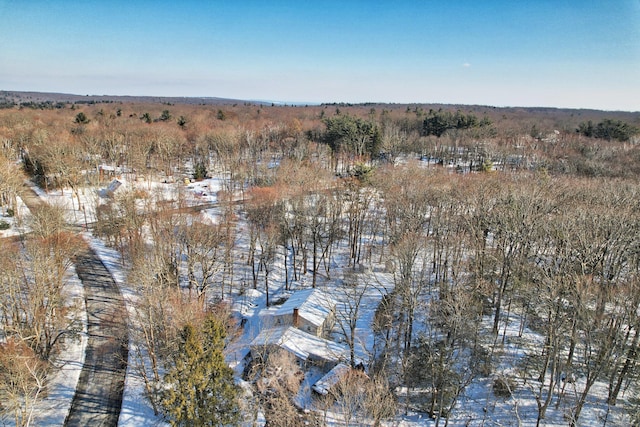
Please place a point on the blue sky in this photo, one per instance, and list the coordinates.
(505, 53)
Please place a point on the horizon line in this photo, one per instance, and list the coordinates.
(314, 103)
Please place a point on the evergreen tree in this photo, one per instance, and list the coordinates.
(165, 116)
(81, 118)
(353, 135)
(438, 122)
(608, 129)
(200, 387)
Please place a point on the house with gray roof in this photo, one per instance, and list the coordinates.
(310, 310)
(307, 348)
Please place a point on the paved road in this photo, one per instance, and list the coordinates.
(98, 396)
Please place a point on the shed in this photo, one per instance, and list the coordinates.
(111, 189)
(331, 378)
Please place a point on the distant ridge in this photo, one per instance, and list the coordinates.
(9, 97)
(21, 97)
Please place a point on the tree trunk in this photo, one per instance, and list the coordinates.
(631, 360)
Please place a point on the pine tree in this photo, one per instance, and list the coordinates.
(200, 387)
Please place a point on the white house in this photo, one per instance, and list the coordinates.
(310, 310)
(306, 347)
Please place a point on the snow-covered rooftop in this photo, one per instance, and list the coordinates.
(111, 189)
(332, 377)
(303, 345)
(314, 305)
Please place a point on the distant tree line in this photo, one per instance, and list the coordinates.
(45, 105)
(6, 103)
(608, 129)
(438, 122)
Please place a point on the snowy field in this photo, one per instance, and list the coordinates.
(476, 407)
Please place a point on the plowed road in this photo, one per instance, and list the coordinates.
(98, 396)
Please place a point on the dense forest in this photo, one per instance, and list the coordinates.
(483, 220)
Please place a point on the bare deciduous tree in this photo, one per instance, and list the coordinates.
(22, 381)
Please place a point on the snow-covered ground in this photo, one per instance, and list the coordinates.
(15, 222)
(476, 407)
(61, 386)
(136, 411)
(53, 410)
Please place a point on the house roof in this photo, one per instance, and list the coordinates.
(305, 346)
(324, 384)
(111, 189)
(313, 305)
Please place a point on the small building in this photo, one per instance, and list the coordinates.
(310, 310)
(324, 385)
(111, 189)
(308, 348)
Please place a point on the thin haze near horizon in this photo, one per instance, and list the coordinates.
(576, 54)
